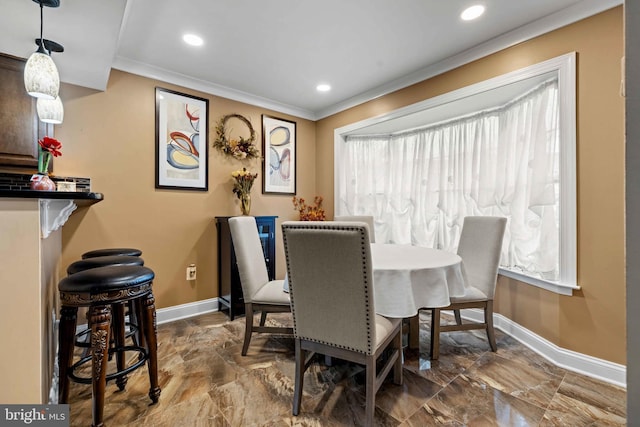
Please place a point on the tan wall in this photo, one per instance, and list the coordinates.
(593, 320)
(109, 137)
(21, 305)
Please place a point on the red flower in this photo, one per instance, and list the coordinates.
(51, 145)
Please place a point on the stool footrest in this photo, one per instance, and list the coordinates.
(142, 358)
(131, 332)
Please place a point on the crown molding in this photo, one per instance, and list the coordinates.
(145, 70)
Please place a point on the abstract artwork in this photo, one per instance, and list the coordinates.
(279, 151)
(182, 141)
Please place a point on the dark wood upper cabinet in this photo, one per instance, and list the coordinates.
(20, 128)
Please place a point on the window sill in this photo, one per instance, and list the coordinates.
(557, 287)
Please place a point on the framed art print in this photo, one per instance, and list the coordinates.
(279, 151)
(182, 141)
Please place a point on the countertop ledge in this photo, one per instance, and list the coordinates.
(80, 198)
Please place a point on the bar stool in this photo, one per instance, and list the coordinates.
(118, 309)
(99, 289)
(112, 252)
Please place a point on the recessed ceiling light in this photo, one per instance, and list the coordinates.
(193, 40)
(472, 12)
(323, 87)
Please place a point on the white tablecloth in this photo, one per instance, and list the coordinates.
(407, 278)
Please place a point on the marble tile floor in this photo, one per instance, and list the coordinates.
(206, 382)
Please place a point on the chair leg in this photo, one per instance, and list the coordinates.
(435, 334)
(100, 321)
(456, 313)
(118, 338)
(397, 367)
(248, 329)
(370, 393)
(488, 319)
(66, 338)
(300, 368)
(414, 331)
(263, 318)
(151, 337)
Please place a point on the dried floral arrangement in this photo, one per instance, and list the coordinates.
(240, 148)
(313, 212)
(242, 182)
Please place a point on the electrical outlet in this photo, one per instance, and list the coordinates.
(191, 272)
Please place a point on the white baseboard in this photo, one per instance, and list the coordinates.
(183, 311)
(604, 370)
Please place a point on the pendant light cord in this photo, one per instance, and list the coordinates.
(41, 24)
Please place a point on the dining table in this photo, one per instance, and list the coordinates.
(407, 278)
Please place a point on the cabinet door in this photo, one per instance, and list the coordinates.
(266, 231)
(20, 128)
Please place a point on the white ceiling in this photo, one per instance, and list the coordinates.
(274, 53)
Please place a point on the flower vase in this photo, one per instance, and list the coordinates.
(245, 204)
(42, 182)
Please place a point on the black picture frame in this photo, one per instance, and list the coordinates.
(181, 154)
(279, 152)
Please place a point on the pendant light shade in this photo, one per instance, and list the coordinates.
(41, 78)
(50, 110)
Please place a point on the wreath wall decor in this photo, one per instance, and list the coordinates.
(240, 148)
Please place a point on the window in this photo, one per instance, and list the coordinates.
(502, 147)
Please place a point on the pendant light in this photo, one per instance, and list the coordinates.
(50, 110)
(41, 78)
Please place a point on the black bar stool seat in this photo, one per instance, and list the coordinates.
(100, 289)
(103, 261)
(112, 252)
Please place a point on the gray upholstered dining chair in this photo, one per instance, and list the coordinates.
(332, 301)
(368, 219)
(260, 293)
(479, 247)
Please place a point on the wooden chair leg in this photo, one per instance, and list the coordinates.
(488, 319)
(118, 338)
(397, 367)
(456, 313)
(435, 334)
(248, 328)
(151, 337)
(100, 321)
(300, 368)
(66, 338)
(414, 331)
(263, 318)
(370, 393)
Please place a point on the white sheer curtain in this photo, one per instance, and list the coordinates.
(420, 184)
